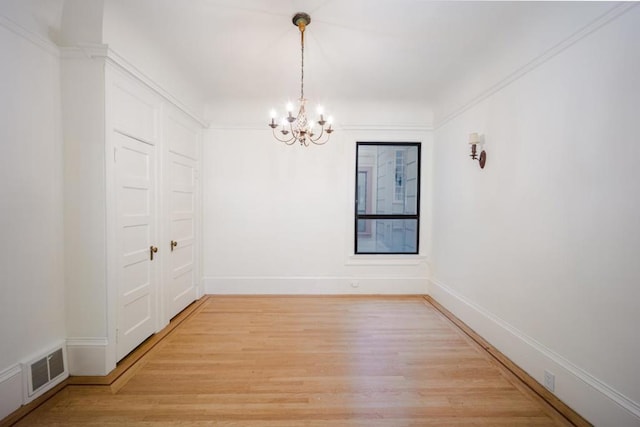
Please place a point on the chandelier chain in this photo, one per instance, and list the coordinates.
(302, 63)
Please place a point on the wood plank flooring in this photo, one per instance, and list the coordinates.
(307, 361)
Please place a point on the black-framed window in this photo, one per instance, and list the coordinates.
(387, 199)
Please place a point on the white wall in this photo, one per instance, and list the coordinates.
(279, 219)
(31, 219)
(538, 252)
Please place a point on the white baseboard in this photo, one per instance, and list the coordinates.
(88, 356)
(10, 390)
(596, 401)
(269, 285)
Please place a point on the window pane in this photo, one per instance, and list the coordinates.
(387, 179)
(387, 236)
(363, 196)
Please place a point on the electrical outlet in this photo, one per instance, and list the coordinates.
(549, 381)
(355, 284)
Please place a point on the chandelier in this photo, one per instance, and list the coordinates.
(300, 128)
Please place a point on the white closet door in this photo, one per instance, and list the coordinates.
(181, 196)
(138, 274)
(135, 115)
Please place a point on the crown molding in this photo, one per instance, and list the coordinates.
(84, 51)
(388, 127)
(347, 127)
(120, 62)
(604, 19)
(43, 43)
(110, 56)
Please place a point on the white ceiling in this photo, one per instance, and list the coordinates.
(397, 50)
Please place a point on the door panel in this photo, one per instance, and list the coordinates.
(182, 257)
(135, 112)
(182, 228)
(182, 200)
(181, 137)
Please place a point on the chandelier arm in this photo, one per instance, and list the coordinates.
(319, 136)
(289, 141)
(316, 142)
(322, 133)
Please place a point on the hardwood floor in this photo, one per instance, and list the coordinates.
(307, 361)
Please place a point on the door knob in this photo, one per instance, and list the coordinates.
(173, 244)
(152, 250)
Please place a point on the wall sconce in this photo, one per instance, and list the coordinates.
(474, 139)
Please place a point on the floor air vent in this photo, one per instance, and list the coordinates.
(44, 373)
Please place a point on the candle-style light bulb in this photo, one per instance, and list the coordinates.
(329, 128)
(273, 124)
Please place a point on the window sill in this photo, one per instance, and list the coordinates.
(390, 260)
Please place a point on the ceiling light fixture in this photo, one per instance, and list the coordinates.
(300, 128)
